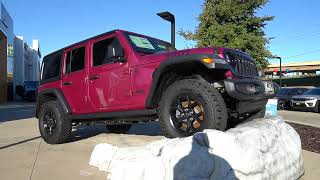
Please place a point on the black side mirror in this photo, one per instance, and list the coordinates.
(116, 52)
(118, 55)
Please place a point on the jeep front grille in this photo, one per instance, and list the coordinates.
(242, 64)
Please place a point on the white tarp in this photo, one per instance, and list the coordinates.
(260, 149)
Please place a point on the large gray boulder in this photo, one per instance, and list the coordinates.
(260, 149)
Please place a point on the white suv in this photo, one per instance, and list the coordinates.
(310, 100)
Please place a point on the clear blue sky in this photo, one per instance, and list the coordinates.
(57, 23)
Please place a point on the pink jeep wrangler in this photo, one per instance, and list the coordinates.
(120, 78)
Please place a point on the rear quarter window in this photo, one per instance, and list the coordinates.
(51, 68)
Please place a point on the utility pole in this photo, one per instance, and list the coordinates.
(278, 57)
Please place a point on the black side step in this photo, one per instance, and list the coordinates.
(117, 115)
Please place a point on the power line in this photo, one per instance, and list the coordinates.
(288, 35)
(305, 36)
(297, 55)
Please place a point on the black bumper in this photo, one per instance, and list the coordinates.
(252, 94)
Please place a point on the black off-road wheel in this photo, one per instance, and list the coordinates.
(54, 125)
(189, 106)
(119, 129)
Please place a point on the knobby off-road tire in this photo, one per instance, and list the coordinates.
(62, 125)
(201, 92)
(119, 129)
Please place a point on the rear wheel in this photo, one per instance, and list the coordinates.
(189, 106)
(54, 125)
(119, 129)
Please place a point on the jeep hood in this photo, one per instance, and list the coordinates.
(167, 55)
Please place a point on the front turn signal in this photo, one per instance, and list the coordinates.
(207, 60)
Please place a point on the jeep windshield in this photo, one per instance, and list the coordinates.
(148, 45)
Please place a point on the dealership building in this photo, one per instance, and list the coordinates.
(19, 62)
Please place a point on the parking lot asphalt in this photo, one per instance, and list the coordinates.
(24, 155)
(307, 118)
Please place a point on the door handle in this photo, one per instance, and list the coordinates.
(67, 83)
(94, 77)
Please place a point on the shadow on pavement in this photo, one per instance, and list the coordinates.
(147, 129)
(20, 142)
(85, 132)
(20, 113)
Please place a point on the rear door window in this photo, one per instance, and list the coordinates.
(75, 60)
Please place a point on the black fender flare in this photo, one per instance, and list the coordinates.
(218, 63)
(60, 97)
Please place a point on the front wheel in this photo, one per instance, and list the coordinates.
(189, 106)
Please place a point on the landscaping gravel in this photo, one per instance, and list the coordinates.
(310, 136)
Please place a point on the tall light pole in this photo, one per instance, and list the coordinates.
(170, 17)
(277, 57)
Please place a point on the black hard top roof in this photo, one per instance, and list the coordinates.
(94, 37)
(97, 36)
